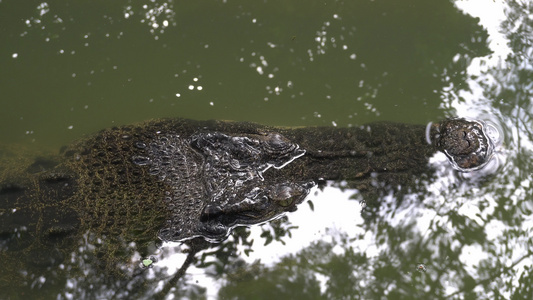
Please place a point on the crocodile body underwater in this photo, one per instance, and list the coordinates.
(177, 179)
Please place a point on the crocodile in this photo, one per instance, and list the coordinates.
(179, 179)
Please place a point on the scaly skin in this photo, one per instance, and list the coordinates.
(127, 187)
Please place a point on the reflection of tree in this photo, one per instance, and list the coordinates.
(319, 272)
(512, 83)
(289, 280)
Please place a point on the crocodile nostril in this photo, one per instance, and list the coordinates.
(465, 144)
(210, 212)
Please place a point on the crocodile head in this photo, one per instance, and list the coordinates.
(216, 180)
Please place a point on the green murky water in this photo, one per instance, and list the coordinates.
(88, 65)
(71, 68)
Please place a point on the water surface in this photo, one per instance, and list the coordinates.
(72, 68)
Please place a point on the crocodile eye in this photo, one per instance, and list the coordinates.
(286, 202)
